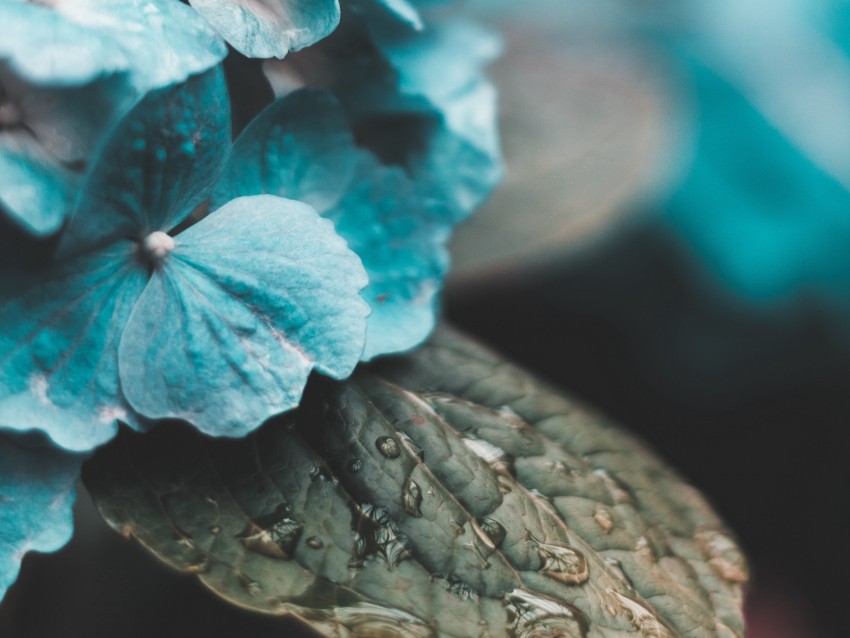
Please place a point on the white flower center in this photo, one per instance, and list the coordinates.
(157, 246)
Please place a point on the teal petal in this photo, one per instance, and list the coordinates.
(270, 28)
(418, 99)
(444, 64)
(400, 233)
(35, 192)
(252, 298)
(301, 147)
(157, 166)
(155, 42)
(59, 331)
(37, 492)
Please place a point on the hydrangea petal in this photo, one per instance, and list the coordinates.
(37, 492)
(270, 28)
(445, 65)
(253, 297)
(417, 99)
(59, 331)
(73, 42)
(398, 232)
(34, 192)
(301, 147)
(157, 166)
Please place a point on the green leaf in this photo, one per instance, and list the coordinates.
(445, 494)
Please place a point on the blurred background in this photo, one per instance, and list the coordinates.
(671, 244)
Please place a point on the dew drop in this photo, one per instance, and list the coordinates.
(388, 447)
(367, 620)
(377, 533)
(561, 562)
(199, 566)
(215, 530)
(314, 473)
(277, 540)
(616, 569)
(641, 618)
(723, 555)
(315, 542)
(354, 465)
(495, 531)
(411, 446)
(532, 615)
(603, 518)
(456, 586)
(253, 588)
(411, 495)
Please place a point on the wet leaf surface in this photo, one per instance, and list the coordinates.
(446, 493)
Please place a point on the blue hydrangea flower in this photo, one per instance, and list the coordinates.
(219, 325)
(67, 71)
(417, 98)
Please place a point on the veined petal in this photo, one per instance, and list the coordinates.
(59, 332)
(157, 166)
(72, 42)
(37, 492)
(270, 28)
(252, 298)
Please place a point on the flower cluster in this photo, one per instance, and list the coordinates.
(153, 267)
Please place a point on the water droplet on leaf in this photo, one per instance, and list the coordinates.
(535, 616)
(724, 556)
(388, 447)
(315, 542)
(603, 518)
(641, 618)
(354, 465)
(274, 539)
(560, 562)
(411, 495)
(494, 530)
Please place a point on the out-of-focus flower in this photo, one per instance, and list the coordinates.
(219, 325)
(68, 71)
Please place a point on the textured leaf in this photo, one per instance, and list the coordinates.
(252, 298)
(300, 147)
(59, 332)
(270, 28)
(37, 491)
(453, 495)
(76, 41)
(157, 166)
